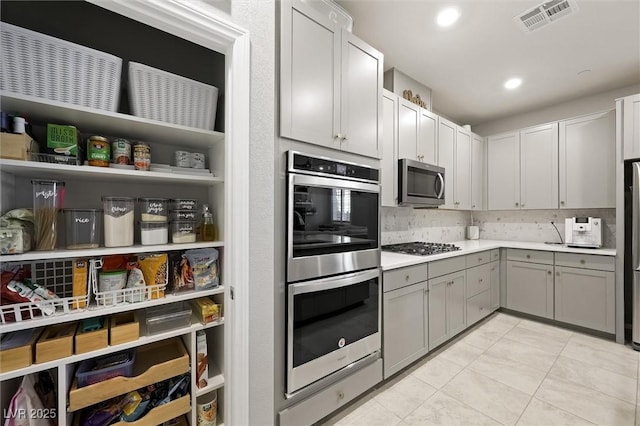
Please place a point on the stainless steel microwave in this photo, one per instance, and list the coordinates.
(420, 184)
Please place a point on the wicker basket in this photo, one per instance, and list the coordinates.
(162, 96)
(39, 65)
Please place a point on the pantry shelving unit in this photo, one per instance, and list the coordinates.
(222, 190)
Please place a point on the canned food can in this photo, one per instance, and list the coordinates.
(183, 159)
(121, 150)
(197, 160)
(207, 410)
(98, 151)
(141, 156)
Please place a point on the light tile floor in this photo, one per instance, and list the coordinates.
(509, 371)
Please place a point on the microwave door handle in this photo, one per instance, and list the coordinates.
(441, 180)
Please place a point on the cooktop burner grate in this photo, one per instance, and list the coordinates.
(420, 248)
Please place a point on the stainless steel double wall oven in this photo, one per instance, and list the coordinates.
(333, 269)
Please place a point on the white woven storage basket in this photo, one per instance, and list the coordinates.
(39, 65)
(162, 96)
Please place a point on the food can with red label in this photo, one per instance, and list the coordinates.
(141, 156)
(121, 151)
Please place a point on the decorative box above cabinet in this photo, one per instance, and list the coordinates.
(330, 83)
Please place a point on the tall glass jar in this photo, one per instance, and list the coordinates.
(48, 199)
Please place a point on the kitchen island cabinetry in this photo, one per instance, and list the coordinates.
(530, 283)
(330, 82)
(587, 161)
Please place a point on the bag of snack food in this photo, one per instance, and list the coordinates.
(204, 266)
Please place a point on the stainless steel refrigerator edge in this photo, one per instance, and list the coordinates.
(635, 255)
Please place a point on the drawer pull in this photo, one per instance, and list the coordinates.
(528, 256)
(406, 278)
(582, 261)
(340, 395)
(479, 259)
(480, 280)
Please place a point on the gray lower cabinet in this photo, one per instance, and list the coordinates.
(494, 274)
(447, 307)
(585, 297)
(405, 326)
(478, 286)
(530, 288)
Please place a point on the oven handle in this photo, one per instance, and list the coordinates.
(333, 282)
(324, 182)
(441, 179)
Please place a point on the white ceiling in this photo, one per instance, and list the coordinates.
(467, 64)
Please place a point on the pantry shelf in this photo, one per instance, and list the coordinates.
(106, 122)
(214, 382)
(39, 170)
(105, 251)
(95, 311)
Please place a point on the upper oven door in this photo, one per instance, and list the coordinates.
(332, 226)
(420, 184)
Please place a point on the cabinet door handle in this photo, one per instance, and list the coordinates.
(562, 203)
(340, 395)
(344, 138)
(517, 204)
(549, 272)
(473, 206)
(480, 280)
(338, 136)
(522, 205)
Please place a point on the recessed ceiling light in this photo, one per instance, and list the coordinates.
(448, 16)
(512, 83)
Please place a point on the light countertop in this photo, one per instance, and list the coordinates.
(396, 260)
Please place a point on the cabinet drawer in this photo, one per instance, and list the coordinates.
(403, 277)
(495, 254)
(586, 261)
(315, 407)
(478, 279)
(478, 307)
(476, 259)
(446, 266)
(533, 256)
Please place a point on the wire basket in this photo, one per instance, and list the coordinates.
(159, 95)
(53, 158)
(121, 296)
(39, 65)
(56, 276)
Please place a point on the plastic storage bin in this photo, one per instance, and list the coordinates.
(74, 74)
(183, 231)
(82, 228)
(153, 209)
(106, 367)
(118, 221)
(164, 318)
(184, 204)
(159, 95)
(153, 233)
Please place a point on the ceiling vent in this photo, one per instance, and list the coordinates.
(545, 13)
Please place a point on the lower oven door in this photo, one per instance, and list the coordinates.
(331, 323)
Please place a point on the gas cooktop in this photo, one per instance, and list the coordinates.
(420, 248)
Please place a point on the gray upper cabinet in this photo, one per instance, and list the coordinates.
(539, 167)
(330, 83)
(503, 172)
(462, 169)
(408, 129)
(428, 137)
(629, 110)
(389, 165)
(477, 172)
(587, 162)
(446, 158)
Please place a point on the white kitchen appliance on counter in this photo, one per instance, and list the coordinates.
(583, 232)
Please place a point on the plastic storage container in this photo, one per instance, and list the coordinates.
(184, 204)
(82, 228)
(168, 317)
(153, 209)
(183, 231)
(105, 367)
(181, 215)
(118, 221)
(48, 198)
(153, 233)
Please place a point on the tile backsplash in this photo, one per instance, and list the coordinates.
(403, 224)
